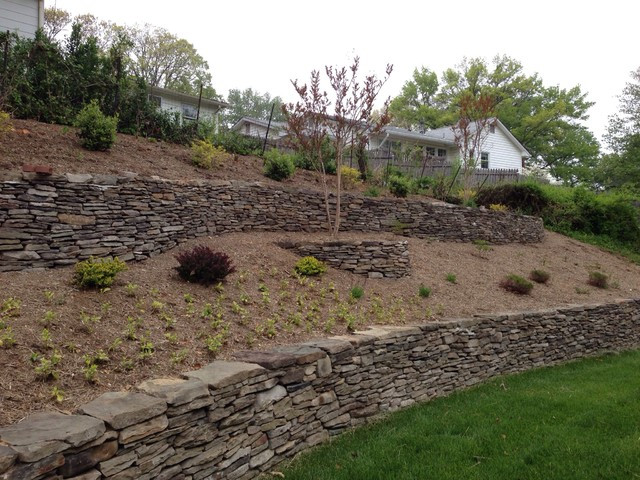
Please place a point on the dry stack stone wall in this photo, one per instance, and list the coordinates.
(58, 220)
(370, 258)
(235, 419)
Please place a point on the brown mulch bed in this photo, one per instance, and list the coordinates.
(262, 305)
(58, 146)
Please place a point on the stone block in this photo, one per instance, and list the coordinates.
(80, 462)
(122, 409)
(270, 360)
(220, 374)
(139, 431)
(34, 470)
(174, 391)
(8, 456)
(303, 354)
(47, 433)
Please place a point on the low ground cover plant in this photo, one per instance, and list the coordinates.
(399, 186)
(203, 265)
(424, 291)
(516, 284)
(98, 272)
(539, 276)
(598, 279)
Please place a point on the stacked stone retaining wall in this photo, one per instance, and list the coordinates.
(370, 258)
(58, 220)
(236, 419)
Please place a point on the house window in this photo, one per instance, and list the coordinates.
(442, 152)
(484, 160)
(155, 100)
(190, 112)
(492, 128)
(431, 151)
(247, 128)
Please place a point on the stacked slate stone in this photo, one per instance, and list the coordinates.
(375, 259)
(236, 419)
(53, 221)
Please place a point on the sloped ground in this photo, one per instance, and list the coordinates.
(260, 305)
(146, 328)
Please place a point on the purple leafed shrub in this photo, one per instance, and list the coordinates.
(203, 265)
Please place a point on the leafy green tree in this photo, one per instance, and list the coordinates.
(55, 21)
(164, 60)
(546, 120)
(249, 103)
(621, 167)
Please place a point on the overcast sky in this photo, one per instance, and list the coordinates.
(265, 44)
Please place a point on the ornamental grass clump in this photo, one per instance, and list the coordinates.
(202, 265)
(310, 266)
(539, 276)
(516, 284)
(598, 280)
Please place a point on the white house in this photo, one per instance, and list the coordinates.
(499, 149)
(23, 17)
(255, 127)
(187, 105)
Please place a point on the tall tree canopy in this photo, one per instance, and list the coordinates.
(621, 167)
(249, 103)
(154, 54)
(546, 120)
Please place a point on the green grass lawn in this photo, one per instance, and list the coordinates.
(576, 421)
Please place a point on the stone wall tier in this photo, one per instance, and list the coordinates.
(236, 419)
(52, 221)
(371, 258)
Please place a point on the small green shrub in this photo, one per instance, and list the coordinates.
(350, 176)
(399, 186)
(516, 284)
(98, 272)
(451, 278)
(424, 291)
(204, 154)
(598, 279)
(202, 265)
(372, 191)
(539, 276)
(97, 131)
(309, 266)
(5, 123)
(356, 292)
(278, 165)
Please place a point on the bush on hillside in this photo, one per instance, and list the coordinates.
(205, 155)
(278, 165)
(399, 186)
(527, 198)
(202, 265)
(598, 279)
(539, 276)
(234, 142)
(97, 131)
(350, 176)
(98, 272)
(309, 266)
(516, 284)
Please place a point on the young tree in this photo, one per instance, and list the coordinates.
(471, 131)
(349, 122)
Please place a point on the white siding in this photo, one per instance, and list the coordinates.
(171, 104)
(502, 152)
(19, 16)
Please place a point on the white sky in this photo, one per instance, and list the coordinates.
(264, 44)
